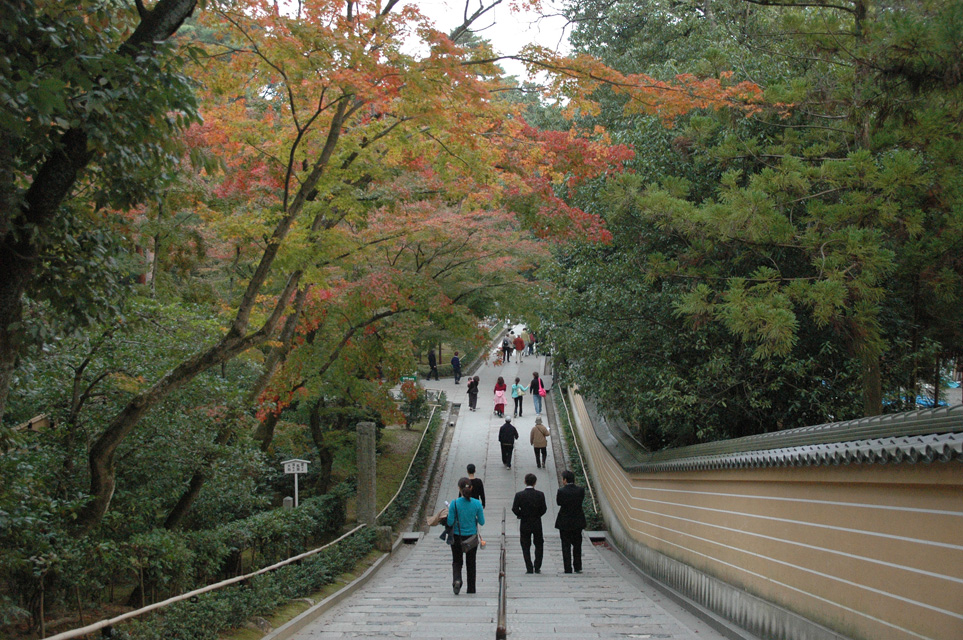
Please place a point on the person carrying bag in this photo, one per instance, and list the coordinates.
(465, 515)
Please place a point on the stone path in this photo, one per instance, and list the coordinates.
(411, 597)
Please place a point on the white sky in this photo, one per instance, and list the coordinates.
(507, 31)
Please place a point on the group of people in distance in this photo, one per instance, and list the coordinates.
(518, 345)
(467, 512)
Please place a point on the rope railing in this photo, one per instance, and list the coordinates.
(570, 416)
(96, 626)
(82, 631)
(501, 629)
(401, 486)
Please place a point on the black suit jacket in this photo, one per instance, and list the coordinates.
(530, 506)
(570, 515)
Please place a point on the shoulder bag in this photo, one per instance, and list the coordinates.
(469, 543)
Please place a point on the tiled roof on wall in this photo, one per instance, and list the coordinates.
(931, 435)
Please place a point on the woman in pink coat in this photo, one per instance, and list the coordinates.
(500, 388)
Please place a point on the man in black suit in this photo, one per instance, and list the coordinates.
(529, 506)
(570, 521)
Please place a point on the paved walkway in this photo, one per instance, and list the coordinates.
(411, 597)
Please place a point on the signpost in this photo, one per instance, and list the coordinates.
(295, 466)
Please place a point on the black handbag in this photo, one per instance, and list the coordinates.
(467, 544)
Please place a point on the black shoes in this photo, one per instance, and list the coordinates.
(456, 586)
(538, 570)
(529, 571)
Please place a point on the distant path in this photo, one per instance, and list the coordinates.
(411, 597)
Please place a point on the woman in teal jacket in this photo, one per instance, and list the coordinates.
(465, 515)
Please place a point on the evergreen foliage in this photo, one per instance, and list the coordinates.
(793, 267)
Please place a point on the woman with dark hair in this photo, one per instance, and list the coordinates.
(500, 388)
(473, 393)
(538, 391)
(465, 515)
(518, 394)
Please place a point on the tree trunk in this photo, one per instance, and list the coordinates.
(265, 430)
(872, 384)
(156, 258)
(280, 353)
(936, 383)
(20, 241)
(236, 341)
(186, 501)
(325, 455)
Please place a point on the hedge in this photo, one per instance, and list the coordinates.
(170, 562)
(230, 607)
(594, 520)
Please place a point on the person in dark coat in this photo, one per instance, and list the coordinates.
(473, 393)
(507, 436)
(477, 486)
(570, 521)
(456, 367)
(433, 364)
(529, 506)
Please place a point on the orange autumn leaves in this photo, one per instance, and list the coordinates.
(392, 142)
(576, 79)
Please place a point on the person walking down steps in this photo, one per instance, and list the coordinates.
(500, 389)
(473, 393)
(519, 344)
(538, 391)
(477, 491)
(465, 515)
(518, 395)
(432, 364)
(539, 440)
(507, 436)
(529, 506)
(570, 521)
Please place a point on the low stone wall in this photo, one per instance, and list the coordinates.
(869, 551)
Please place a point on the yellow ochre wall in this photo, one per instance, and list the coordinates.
(871, 551)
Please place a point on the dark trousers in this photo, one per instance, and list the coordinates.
(530, 534)
(456, 562)
(434, 370)
(472, 400)
(507, 450)
(457, 372)
(518, 405)
(506, 355)
(543, 452)
(571, 549)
